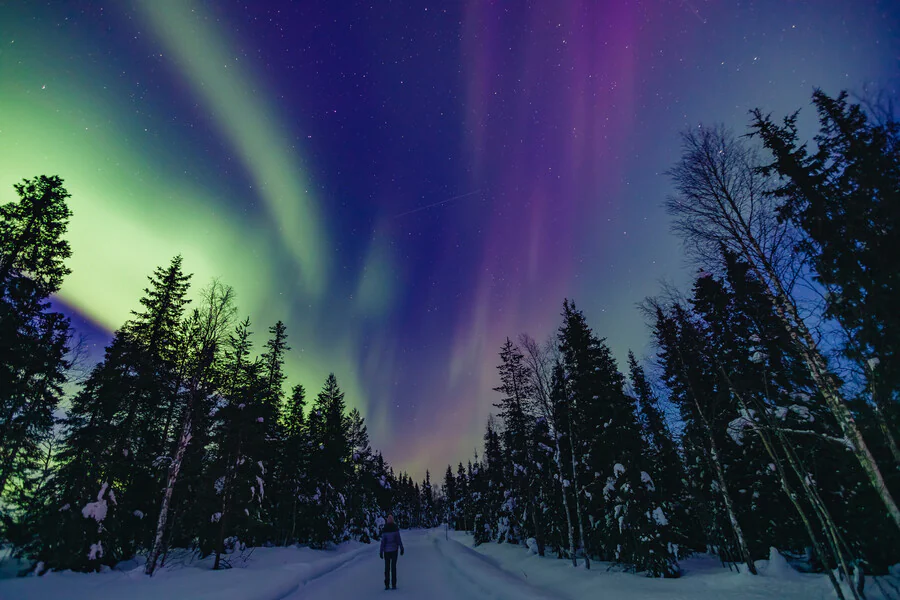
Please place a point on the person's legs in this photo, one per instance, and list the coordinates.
(387, 570)
(394, 568)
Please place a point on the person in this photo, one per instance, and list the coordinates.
(390, 543)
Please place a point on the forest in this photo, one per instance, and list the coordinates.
(766, 416)
(768, 413)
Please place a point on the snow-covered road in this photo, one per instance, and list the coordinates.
(432, 568)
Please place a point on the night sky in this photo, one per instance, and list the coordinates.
(403, 183)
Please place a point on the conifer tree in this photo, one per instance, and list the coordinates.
(329, 434)
(843, 196)
(33, 339)
(515, 409)
(294, 464)
(241, 443)
(705, 408)
(272, 360)
(626, 520)
(451, 499)
(199, 365)
(724, 200)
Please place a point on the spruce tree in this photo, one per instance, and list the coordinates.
(706, 407)
(843, 196)
(241, 440)
(660, 453)
(329, 434)
(272, 360)
(33, 339)
(515, 409)
(609, 448)
(294, 463)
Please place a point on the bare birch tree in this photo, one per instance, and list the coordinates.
(540, 360)
(210, 324)
(721, 200)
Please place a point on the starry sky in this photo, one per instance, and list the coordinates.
(404, 183)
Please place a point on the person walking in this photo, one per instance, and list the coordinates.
(390, 544)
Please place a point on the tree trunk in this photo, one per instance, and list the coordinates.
(7, 265)
(226, 498)
(293, 519)
(720, 473)
(886, 430)
(174, 468)
(789, 492)
(815, 362)
(538, 534)
(822, 513)
(729, 507)
(825, 382)
(565, 499)
(587, 559)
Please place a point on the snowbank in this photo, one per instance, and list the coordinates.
(486, 575)
(703, 577)
(268, 574)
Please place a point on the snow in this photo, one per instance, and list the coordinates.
(802, 412)
(96, 551)
(736, 428)
(703, 578)
(873, 363)
(660, 517)
(97, 510)
(268, 574)
(618, 469)
(777, 566)
(436, 565)
(758, 357)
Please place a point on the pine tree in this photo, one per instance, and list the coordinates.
(272, 360)
(33, 339)
(723, 200)
(515, 409)
(462, 499)
(661, 453)
(706, 407)
(31, 235)
(199, 366)
(451, 500)
(363, 509)
(329, 434)
(295, 460)
(241, 445)
(116, 424)
(428, 504)
(609, 443)
(843, 196)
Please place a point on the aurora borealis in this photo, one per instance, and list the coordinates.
(404, 184)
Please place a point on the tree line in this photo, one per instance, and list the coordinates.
(182, 436)
(768, 415)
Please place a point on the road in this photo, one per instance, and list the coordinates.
(431, 569)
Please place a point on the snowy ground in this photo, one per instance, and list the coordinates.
(433, 568)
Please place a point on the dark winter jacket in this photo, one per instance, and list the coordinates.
(390, 538)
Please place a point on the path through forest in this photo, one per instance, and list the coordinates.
(433, 568)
